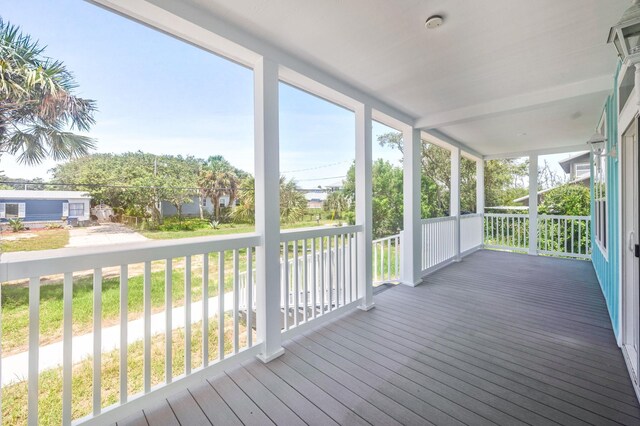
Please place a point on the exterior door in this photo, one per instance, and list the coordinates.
(630, 261)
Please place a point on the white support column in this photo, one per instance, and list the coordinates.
(364, 209)
(533, 204)
(410, 255)
(480, 194)
(267, 194)
(454, 202)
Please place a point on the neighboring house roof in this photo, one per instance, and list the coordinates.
(315, 196)
(42, 195)
(544, 191)
(580, 157)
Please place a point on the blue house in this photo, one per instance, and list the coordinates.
(35, 207)
(614, 207)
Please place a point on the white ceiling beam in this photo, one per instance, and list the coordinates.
(436, 137)
(516, 103)
(218, 36)
(545, 151)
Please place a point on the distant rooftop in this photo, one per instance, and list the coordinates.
(42, 195)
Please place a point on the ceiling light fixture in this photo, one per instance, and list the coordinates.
(434, 22)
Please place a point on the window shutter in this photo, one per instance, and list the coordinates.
(2, 211)
(65, 209)
(22, 210)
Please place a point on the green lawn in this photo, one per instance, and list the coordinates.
(224, 229)
(45, 239)
(14, 397)
(15, 300)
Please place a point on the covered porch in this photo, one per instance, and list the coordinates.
(291, 326)
(499, 338)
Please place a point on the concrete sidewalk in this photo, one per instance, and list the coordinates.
(15, 368)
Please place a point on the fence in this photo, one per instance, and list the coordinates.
(215, 312)
(557, 235)
(386, 259)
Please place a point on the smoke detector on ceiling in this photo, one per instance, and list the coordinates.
(434, 22)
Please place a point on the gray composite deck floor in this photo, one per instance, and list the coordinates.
(499, 338)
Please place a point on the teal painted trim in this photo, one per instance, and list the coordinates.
(607, 267)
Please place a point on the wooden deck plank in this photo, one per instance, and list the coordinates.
(587, 398)
(427, 360)
(424, 376)
(246, 410)
(311, 414)
(417, 398)
(477, 336)
(498, 338)
(378, 392)
(537, 343)
(161, 414)
(274, 408)
(323, 400)
(187, 411)
(365, 409)
(136, 419)
(214, 406)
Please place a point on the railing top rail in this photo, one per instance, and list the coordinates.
(315, 232)
(390, 237)
(471, 215)
(517, 215)
(19, 265)
(439, 219)
(558, 216)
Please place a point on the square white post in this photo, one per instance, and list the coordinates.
(454, 201)
(533, 204)
(480, 195)
(364, 205)
(410, 255)
(267, 194)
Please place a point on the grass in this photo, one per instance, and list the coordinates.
(14, 397)
(224, 229)
(45, 239)
(15, 300)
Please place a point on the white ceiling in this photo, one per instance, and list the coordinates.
(482, 78)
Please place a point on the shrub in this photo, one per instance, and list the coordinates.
(16, 225)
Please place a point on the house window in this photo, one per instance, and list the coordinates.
(582, 170)
(12, 210)
(76, 209)
(600, 194)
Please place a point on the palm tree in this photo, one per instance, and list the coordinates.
(37, 105)
(215, 184)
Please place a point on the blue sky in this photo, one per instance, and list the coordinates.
(160, 95)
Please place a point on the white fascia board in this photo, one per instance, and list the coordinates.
(517, 103)
(545, 151)
(227, 40)
(445, 141)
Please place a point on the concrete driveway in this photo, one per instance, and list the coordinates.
(103, 234)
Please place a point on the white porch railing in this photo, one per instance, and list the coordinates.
(386, 259)
(438, 245)
(470, 232)
(564, 236)
(506, 231)
(318, 277)
(318, 272)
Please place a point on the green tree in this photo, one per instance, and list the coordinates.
(38, 110)
(336, 204)
(293, 204)
(570, 200)
(132, 183)
(387, 197)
